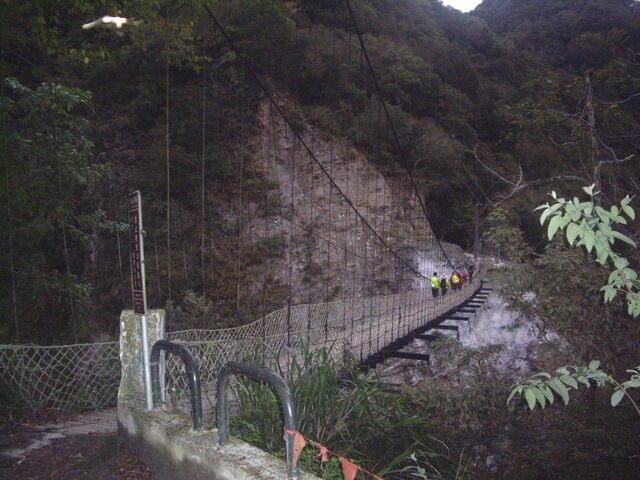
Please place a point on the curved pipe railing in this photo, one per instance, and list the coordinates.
(193, 377)
(275, 380)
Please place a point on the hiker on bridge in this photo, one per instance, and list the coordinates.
(470, 270)
(444, 285)
(435, 284)
(455, 280)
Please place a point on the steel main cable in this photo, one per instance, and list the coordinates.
(304, 144)
(393, 129)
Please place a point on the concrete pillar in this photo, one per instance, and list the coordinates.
(132, 380)
(164, 438)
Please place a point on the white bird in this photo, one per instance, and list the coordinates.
(106, 20)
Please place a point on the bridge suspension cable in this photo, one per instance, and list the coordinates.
(403, 156)
(299, 138)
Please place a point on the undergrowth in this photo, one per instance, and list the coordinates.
(351, 416)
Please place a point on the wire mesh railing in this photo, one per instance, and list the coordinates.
(355, 328)
(71, 378)
(63, 378)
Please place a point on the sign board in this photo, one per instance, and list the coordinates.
(138, 288)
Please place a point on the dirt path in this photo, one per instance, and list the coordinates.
(75, 447)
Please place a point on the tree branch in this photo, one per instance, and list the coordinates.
(520, 184)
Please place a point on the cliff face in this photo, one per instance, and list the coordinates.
(345, 229)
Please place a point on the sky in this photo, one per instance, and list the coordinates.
(462, 5)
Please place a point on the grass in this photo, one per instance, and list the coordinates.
(346, 413)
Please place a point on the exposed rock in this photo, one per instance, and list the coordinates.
(343, 224)
(525, 342)
(505, 340)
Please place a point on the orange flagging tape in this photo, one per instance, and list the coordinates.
(298, 444)
(324, 453)
(349, 470)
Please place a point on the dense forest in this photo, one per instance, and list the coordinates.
(494, 109)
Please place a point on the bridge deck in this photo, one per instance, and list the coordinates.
(369, 329)
(461, 313)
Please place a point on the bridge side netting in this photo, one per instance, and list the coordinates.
(67, 378)
(350, 330)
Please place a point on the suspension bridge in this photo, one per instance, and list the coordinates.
(328, 249)
(355, 247)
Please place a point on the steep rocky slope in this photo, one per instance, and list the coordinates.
(344, 228)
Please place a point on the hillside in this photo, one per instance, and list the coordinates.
(294, 151)
(487, 110)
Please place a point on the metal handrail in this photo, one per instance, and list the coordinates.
(263, 375)
(193, 377)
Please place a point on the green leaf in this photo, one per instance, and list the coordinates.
(547, 392)
(609, 293)
(584, 380)
(573, 231)
(629, 274)
(575, 215)
(603, 214)
(542, 400)
(624, 238)
(633, 307)
(589, 190)
(531, 398)
(594, 364)
(541, 207)
(615, 211)
(616, 397)
(629, 212)
(589, 240)
(548, 211)
(554, 224)
(515, 390)
(569, 380)
(605, 229)
(560, 389)
(634, 383)
(620, 263)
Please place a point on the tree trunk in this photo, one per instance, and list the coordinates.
(593, 133)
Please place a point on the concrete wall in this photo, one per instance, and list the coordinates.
(165, 439)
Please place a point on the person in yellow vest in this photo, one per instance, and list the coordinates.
(435, 284)
(456, 281)
(444, 285)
